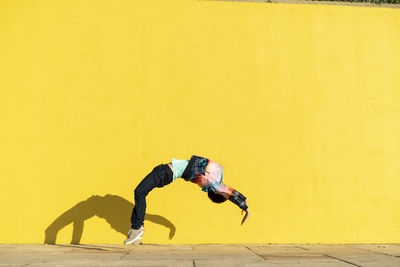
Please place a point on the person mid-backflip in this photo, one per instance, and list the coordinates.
(202, 171)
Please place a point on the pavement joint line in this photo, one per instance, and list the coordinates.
(194, 264)
(264, 259)
(329, 256)
(81, 246)
(301, 247)
(377, 252)
(93, 245)
(125, 254)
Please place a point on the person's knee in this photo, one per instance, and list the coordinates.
(139, 192)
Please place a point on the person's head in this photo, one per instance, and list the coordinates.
(216, 198)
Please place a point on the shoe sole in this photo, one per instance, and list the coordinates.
(136, 240)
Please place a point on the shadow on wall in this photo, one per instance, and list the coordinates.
(114, 209)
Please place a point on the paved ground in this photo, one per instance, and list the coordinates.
(200, 255)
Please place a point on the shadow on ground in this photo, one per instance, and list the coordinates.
(114, 209)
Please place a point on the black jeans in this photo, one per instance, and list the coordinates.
(159, 177)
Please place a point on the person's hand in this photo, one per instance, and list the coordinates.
(245, 216)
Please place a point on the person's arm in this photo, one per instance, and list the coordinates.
(235, 197)
(246, 215)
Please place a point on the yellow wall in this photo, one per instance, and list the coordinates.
(299, 103)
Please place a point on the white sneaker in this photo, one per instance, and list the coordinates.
(135, 236)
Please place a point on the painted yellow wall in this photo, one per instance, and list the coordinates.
(299, 103)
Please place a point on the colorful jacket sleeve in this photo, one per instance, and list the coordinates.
(234, 196)
(238, 199)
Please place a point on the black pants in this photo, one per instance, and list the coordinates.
(159, 177)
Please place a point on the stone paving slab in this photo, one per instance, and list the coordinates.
(334, 250)
(311, 261)
(359, 255)
(393, 250)
(200, 255)
(118, 263)
(372, 261)
(281, 250)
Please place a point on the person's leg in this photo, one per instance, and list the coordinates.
(159, 177)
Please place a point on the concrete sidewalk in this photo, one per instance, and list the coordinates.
(200, 255)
